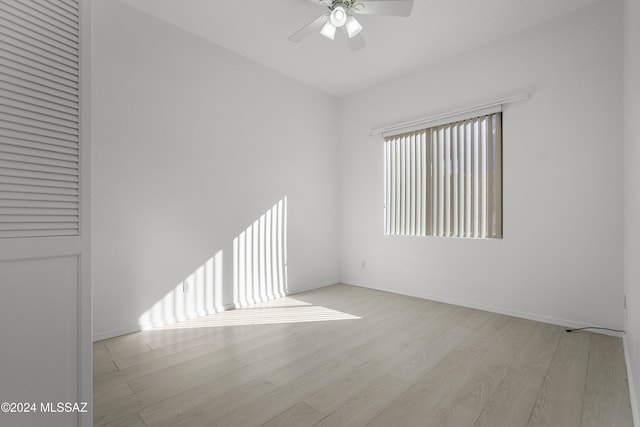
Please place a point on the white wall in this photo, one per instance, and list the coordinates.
(192, 144)
(632, 195)
(561, 256)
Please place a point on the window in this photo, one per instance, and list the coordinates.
(445, 180)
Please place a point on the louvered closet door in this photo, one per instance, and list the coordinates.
(45, 286)
(39, 120)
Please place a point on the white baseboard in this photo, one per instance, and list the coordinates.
(311, 287)
(493, 309)
(220, 308)
(635, 410)
(231, 306)
(225, 307)
(115, 333)
(244, 303)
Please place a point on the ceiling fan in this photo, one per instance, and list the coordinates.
(340, 15)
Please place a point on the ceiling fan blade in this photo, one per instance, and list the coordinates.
(384, 7)
(322, 2)
(312, 27)
(356, 42)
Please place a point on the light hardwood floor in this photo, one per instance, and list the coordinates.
(346, 356)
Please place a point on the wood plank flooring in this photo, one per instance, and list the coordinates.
(345, 356)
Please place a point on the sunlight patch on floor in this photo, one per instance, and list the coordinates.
(283, 310)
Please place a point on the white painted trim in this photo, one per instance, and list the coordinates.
(155, 323)
(231, 306)
(220, 308)
(635, 410)
(242, 304)
(115, 333)
(85, 277)
(460, 114)
(498, 310)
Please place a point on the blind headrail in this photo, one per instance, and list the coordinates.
(461, 114)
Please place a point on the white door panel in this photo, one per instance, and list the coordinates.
(45, 203)
(39, 330)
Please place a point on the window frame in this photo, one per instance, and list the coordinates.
(431, 173)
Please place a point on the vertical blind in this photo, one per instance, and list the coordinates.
(446, 180)
(39, 118)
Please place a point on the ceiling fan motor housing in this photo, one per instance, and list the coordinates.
(338, 15)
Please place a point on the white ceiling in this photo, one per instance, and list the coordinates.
(437, 29)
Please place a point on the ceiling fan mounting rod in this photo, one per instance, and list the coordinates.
(347, 4)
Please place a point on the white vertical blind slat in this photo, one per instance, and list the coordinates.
(407, 184)
(407, 187)
(392, 187)
(498, 176)
(428, 165)
(397, 194)
(385, 158)
(483, 176)
(403, 181)
(419, 186)
(400, 184)
(393, 191)
(412, 217)
(440, 200)
(491, 177)
(468, 179)
(476, 179)
(435, 171)
(454, 179)
(460, 179)
(450, 191)
(435, 164)
(447, 181)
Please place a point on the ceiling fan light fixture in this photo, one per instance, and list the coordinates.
(352, 26)
(338, 16)
(329, 30)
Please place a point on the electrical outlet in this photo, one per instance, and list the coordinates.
(185, 286)
(363, 264)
